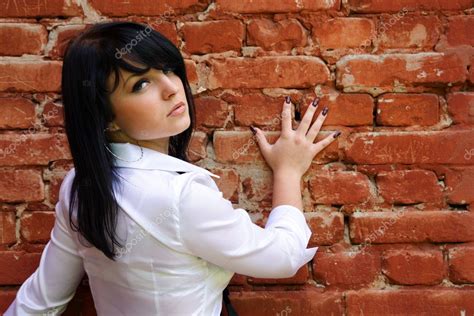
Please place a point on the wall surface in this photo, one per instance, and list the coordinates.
(389, 202)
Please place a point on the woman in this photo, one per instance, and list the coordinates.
(151, 230)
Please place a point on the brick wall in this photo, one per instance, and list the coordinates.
(389, 202)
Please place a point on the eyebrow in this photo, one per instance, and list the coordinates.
(134, 75)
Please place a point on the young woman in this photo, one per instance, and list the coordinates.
(152, 231)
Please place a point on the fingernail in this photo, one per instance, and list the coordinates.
(253, 129)
(287, 99)
(325, 110)
(315, 101)
(337, 134)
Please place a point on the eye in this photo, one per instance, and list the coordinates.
(138, 84)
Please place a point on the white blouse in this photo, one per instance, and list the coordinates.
(183, 241)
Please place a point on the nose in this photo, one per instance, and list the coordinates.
(170, 87)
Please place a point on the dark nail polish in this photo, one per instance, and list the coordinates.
(315, 102)
(287, 99)
(337, 134)
(253, 129)
(325, 110)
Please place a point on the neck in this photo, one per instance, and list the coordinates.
(159, 144)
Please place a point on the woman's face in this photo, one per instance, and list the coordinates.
(141, 104)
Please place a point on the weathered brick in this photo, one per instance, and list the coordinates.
(213, 36)
(16, 113)
(257, 109)
(327, 228)
(30, 75)
(32, 149)
(411, 226)
(210, 112)
(21, 185)
(439, 301)
(17, 39)
(461, 264)
(442, 147)
(344, 33)
(7, 228)
(421, 32)
(283, 6)
(307, 302)
(459, 183)
(148, 8)
(461, 107)
(278, 35)
(412, 267)
(459, 30)
(267, 72)
(36, 226)
(301, 277)
(17, 266)
(58, 8)
(348, 269)
(340, 187)
(394, 109)
(398, 72)
(403, 6)
(409, 186)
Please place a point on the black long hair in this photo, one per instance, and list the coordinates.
(89, 59)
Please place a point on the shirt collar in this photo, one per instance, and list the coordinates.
(151, 160)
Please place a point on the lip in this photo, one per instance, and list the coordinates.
(177, 105)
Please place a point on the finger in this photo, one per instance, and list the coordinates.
(316, 127)
(325, 142)
(286, 116)
(262, 140)
(308, 117)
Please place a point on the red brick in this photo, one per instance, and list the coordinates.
(36, 226)
(148, 8)
(343, 33)
(65, 33)
(197, 146)
(347, 269)
(30, 76)
(6, 298)
(53, 114)
(411, 267)
(345, 109)
(259, 189)
(442, 147)
(471, 71)
(461, 264)
(32, 149)
(213, 36)
(461, 107)
(210, 112)
(409, 186)
(301, 277)
(340, 187)
(411, 226)
(379, 73)
(58, 8)
(7, 228)
(228, 183)
(16, 113)
(409, 32)
(395, 109)
(326, 228)
(21, 185)
(267, 72)
(403, 6)
(283, 6)
(277, 36)
(459, 183)
(459, 29)
(17, 39)
(17, 266)
(241, 147)
(257, 109)
(271, 303)
(192, 74)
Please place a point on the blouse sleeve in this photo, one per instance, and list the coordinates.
(212, 229)
(50, 288)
